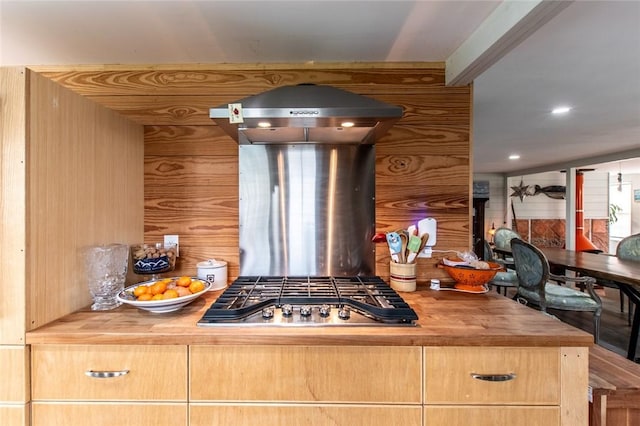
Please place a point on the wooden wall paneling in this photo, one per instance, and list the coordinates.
(193, 193)
(13, 122)
(194, 249)
(438, 108)
(446, 141)
(188, 140)
(240, 80)
(453, 234)
(429, 146)
(164, 110)
(417, 170)
(182, 171)
(85, 188)
(423, 169)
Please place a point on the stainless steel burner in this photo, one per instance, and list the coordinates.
(309, 301)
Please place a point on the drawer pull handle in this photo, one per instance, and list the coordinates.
(105, 374)
(494, 377)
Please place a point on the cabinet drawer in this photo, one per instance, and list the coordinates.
(139, 414)
(15, 377)
(491, 416)
(449, 375)
(152, 372)
(15, 415)
(308, 415)
(306, 373)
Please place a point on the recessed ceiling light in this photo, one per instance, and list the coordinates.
(264, 124)
(347, 124)
(561, 110)
(514, 157)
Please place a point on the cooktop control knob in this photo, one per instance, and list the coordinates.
(267, 313)
(287, 310)
(325, 310)
(344, 313)
(305, 310)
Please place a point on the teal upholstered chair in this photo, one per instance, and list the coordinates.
(534, 288)
(502, 280)
(628, 249)
(503, 236)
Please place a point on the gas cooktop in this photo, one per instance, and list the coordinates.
(309, 301)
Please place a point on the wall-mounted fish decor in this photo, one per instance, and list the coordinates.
(557, 192)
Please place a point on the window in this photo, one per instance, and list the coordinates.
(622, 226)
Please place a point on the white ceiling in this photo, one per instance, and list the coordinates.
(588, 57)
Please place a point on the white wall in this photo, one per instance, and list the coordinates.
(634, 180)
(635, 205)
(595, 197)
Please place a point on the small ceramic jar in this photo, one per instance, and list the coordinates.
(213, 271)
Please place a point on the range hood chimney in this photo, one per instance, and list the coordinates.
(306, 113)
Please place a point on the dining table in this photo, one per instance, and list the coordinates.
(625, 273)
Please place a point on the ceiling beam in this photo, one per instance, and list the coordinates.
(583, 162)
(509, 24)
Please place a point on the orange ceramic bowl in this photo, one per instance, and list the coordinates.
(472, 279)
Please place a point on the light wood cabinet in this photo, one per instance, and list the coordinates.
(524, 376)
(315, 385)
(15, 414)
(15, 385)
(77, 166)
(491, 416)
(353, 374)
(309, 415)
(109, 385)
(14, 378)
(105, 414)
(109, 372)
(486, 386)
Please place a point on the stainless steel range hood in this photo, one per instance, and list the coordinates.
(306, 113)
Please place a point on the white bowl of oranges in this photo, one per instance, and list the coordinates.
(164, 295)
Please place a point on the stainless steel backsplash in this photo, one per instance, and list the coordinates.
(307, 210)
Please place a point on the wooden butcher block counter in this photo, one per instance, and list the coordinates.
(473, 359)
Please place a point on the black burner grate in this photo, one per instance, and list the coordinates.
(370, 296)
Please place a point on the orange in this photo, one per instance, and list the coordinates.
(140, 290)
(182, 291)
(196, 286)
(158, 287)
(144, 296)
(157, 297)
(170, 294)
(184, 281)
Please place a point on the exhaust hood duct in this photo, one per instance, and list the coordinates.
(306, 113)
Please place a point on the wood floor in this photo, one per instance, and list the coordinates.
(615, 329)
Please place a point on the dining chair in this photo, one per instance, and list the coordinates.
(534, 288)
(502, 240)
(503, 236)
(628, 249)
(503, 280)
